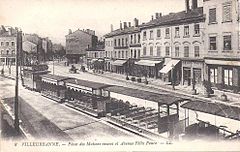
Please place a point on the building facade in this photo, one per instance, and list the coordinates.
(77, 42)
(8, 45)
(222, 44)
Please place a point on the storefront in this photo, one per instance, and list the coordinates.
(224, 74)
(119, 66)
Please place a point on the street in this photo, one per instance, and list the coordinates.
(51, 120)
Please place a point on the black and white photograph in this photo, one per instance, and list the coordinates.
(119, 75)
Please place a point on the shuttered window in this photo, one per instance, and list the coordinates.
(212, 15)
(186, 51)
(227, 12)
(158, 50)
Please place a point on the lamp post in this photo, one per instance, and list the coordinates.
(172, 75)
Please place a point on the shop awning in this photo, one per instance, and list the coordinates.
(218, 109)
(222, 62)
(119, 62)
(147, 62)
(169, 66)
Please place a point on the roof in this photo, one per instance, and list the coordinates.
(54, 77)
(163, 98)
(218, 109)
(85, 83)
(80, 31)
(127, 30)
(177, 18)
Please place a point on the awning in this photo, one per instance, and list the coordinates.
(218, 109)
(169, 66)
(222, 62)
(147, 62)
(119, 62)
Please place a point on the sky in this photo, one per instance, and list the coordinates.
(53, 18)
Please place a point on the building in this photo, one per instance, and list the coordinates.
(222, 44)
(77, 42)
(47, 47)
(121, 46)
(8, 45)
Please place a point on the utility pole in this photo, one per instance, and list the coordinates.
(19, 47)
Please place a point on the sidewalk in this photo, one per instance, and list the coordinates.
(233, 99)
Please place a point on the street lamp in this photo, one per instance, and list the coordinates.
(172, 74)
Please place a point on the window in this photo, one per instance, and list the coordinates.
(1, 51)
(7, 52)
(7, 43)
(13, 43)
(135, 39)
(158, 50)
(139, 37)
(115, 42)
(186, 51)
(144, 35)
(212, 15)
(177, 32)
(131, 53)
(122, 54)
(115, 54)
(167, 32)
(144, 50)
(196, 29)
(1, 43)
(131, 39)
(167, 50)
(158, 33)
(126, 54)
(186, 30)
(122, 41)
(138, 53)
(13, 51)
(135, 53)
(196, 51)
(213, 43)
(151, 50)
(119, 42)
(228, 77)
(119, 54)
(126, 41)
(151, 35)
(227, 12)
(176, 51)
(213, 75)
(227, 42)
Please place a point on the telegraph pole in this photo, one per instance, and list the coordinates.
(19, 47)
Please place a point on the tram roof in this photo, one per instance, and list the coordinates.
(85, 83)
(54, 77)
(164, 98)
(218, 109)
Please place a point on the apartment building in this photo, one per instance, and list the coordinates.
(222, 44)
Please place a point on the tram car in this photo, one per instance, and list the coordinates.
(31, 76)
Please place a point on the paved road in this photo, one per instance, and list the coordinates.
(76, 125)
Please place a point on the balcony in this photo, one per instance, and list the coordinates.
(121, 47)
(135, 45)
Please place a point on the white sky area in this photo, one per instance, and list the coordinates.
(53, 18)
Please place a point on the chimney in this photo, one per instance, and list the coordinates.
(194, 4)
(152, 17)
(69, 31)
(156, 15)
(187, 6)
(160, 15)
(120, 25)
(129, 24)
(111, 27)
(135, 22)
(124, 25)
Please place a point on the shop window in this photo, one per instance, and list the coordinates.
(196, 51)
(228, 77)
(213, 75)
(227, 12)
(212, 15)
(227, 42)
(186, 51)
(213, 43)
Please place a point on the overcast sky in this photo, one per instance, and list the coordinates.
(53, 18)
